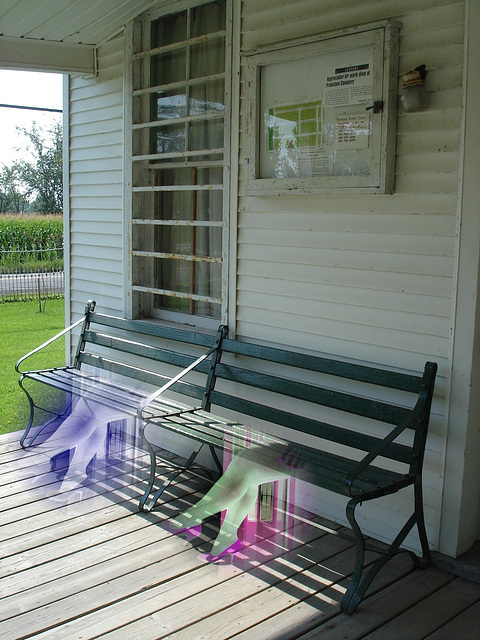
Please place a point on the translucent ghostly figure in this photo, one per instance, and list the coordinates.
(84, 433)
(236, 491)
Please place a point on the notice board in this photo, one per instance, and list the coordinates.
(322, 114)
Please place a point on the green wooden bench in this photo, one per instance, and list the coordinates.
(377, 421)
(116, 364)
(374, 419)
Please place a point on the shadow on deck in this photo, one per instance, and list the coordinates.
(86, 564)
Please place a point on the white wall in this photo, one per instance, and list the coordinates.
(96, 184)
(366, 277)
(461, 504)
(372, 278)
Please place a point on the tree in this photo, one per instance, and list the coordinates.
(42, 177)
(12, 200)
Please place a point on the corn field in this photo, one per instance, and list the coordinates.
(25, 231)
(31, 258)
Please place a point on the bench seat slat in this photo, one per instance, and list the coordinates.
(326, 469)
(107, 392)
(91, 388)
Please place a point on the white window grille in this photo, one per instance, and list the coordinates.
(180, 128)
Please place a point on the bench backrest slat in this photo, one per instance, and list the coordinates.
(308, 426)
(153, 329)
(318, 395)
(352, 371)
(148, 377)
(142, 350)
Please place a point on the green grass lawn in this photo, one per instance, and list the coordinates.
(22, 328)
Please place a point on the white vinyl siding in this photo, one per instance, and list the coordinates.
(96, 184)
(364, 277)
(379, 268)
(369, 277)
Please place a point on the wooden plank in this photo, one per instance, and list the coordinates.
(121, 484)
(31, 486)
(7, 440)
(432, 612)
(316, 611)
(220, 584)
(37, 544)
(137, 560)
(18, 464)
(66, 549)
(242, 618)
(74, 509)
(462, 627)
(28, 482)
(126, 599)
(232, 617)
(45, 509)
(382, 607)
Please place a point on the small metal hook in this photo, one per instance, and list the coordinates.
(377, 106)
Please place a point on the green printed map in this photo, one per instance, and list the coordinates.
(295, 126)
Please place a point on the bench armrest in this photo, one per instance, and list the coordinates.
(149, 399)
(377, 451)
(419, 415)
(45, 344)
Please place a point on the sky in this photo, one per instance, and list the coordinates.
(29, 89)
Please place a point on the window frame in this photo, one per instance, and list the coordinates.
(141, 298)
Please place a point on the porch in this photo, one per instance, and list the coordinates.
(87, 564)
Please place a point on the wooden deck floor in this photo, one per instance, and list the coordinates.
(86, 564)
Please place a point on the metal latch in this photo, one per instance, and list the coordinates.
(377, 106)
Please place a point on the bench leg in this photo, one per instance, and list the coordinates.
(358, 587)
(420, 520)
(216, 459)
(146, 503)
(60, 416)
(31, 417)
(351, 599)
(33, 406)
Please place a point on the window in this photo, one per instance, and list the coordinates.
(179, 197)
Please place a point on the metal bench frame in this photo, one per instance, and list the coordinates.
(103, 342)
(231, 369)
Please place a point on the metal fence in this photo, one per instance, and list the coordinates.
(31, 274)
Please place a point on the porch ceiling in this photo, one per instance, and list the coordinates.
(61, 35)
